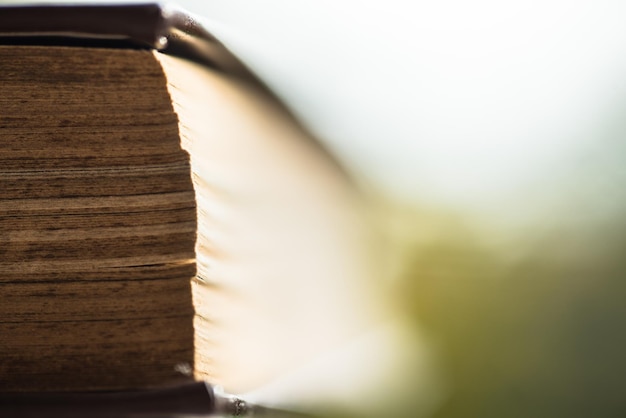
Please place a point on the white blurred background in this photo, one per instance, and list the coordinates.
(450, 101)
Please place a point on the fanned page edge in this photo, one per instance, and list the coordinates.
(272, 250)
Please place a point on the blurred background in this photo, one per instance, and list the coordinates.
(492, 136)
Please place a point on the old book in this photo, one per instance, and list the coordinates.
(154, 200)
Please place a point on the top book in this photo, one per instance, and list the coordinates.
(162, 216)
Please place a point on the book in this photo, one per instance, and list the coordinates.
(163, 217)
